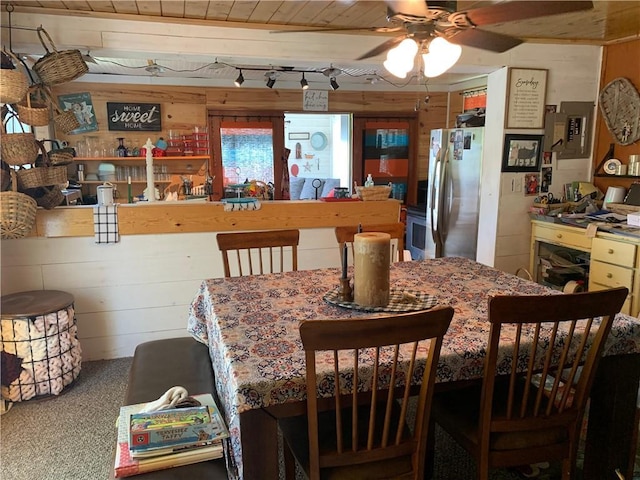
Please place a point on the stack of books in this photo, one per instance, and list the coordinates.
(168, 438)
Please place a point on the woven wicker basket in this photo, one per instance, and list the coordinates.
(60, 156)
(46, 197)
(42, 176)
(18, 148)
(65, 121)
(17, 213)
(619, 104)
(14, 84)
(35, 177)
(35, 114)
(57, 67)
(377, 192)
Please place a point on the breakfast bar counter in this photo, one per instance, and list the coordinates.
(189, 217)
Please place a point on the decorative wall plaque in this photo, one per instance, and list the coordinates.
(526, 98)
(620, 106)
(141, 117)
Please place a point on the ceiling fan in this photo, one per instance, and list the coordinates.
(424, 21)
(437, 30)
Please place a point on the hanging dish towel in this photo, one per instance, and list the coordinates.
(105, 224)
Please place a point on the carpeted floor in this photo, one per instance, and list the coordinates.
(72, 436)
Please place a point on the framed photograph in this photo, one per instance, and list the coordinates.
(526, 105)
(522, 153)
(299, 136)
(531, 184)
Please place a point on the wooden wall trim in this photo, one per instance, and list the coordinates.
(186, 217)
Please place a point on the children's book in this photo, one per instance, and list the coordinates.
(172, 427)
(126, 465)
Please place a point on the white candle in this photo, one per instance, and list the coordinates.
(371, 268)
(151, 188)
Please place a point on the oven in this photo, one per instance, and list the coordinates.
(416, 231)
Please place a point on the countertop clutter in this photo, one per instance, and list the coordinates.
(617, 211)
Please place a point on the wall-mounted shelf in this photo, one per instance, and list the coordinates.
(100, 182)
(606, 175)
(129, 159)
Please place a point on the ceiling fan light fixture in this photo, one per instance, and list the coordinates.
(240, 80)
(303, 83)
(441, 57)
(399, 60)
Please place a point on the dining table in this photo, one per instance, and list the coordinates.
(251, 325)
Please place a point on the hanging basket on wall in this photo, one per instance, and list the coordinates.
(17, 213)
(33, 110)
(14, 84)
(620, 106)
(18, 148)
(57, 67)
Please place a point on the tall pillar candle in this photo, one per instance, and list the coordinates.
(371, 252)
(151, 186)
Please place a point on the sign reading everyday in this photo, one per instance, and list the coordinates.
(145, 117)
(316, 100)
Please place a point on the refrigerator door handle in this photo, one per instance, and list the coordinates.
(434, 193)
(446, 202)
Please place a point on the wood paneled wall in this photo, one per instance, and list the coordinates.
(186, 107)
(617, 62)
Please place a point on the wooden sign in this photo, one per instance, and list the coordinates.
(315, 100)
(139, 117)
(526, 98)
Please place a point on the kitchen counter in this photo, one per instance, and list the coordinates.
(190, 217)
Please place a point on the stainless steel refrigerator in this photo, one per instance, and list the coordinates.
(453, 198)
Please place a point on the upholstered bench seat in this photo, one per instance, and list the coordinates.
(159, 365)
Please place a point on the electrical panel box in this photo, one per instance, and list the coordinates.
(568, 133)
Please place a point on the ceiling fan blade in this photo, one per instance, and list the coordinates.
(494, 42)
(382, 48)
(342, 29)
(522, 10)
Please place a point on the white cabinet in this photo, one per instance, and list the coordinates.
(609, 260)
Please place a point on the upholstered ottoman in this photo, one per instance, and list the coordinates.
(159, 365)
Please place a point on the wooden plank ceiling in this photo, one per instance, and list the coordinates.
(608, 21)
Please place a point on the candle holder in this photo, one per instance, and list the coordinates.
(346, 292)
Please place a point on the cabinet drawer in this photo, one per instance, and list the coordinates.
(563, 237)
(610, 251)
(610, 275)
(626, 306)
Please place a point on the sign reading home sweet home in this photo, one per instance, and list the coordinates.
(140, 117)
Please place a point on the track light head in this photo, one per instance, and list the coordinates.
(303, 83)
(240, 80)
(271, 78)
(333, 83)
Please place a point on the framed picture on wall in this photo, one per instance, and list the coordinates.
(526, 98)
(522, 153)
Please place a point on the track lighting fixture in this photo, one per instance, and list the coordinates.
(271, 79)
(333, 83)
(303, 83)
(240, 80)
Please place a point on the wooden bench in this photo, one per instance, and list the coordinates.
(159, 365)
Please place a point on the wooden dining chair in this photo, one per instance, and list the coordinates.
(363, 429)
(395, 230)
(531, 410)
(259, 252)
